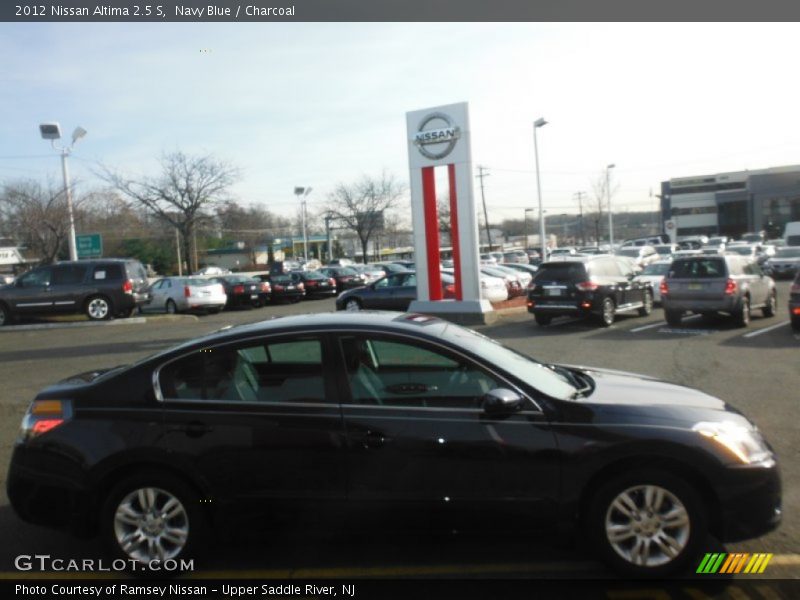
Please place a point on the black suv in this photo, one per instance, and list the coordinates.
(601, 286)
(101, 289)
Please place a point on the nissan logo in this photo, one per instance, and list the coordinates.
(438, 141)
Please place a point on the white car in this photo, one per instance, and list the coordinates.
(212, 270)
(181, 294)
(488, 260)
(524, 277)
(493, 289)
(654, 274)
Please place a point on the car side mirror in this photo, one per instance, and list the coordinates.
(502, 401)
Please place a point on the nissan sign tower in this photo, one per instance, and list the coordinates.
(440, 137)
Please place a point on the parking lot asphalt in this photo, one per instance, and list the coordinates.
(756, 369)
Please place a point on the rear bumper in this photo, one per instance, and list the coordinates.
(202, 302)
(729, 304)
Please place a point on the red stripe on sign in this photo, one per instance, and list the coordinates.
(431, 233)
(451, 172)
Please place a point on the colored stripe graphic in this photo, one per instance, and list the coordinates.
(739, 562)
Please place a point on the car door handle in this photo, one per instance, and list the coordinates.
(194, 429)
(372, 439)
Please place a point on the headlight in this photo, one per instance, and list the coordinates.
(744, 443)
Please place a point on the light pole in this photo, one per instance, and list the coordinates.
(610, 214)
(52, 132)
(525, 227)
(539, 123)
(302, 193)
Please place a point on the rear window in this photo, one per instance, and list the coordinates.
(561, 272)
(787, 253)
(704, 268)
(109, 272)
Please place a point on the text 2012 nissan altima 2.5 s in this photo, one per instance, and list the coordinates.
(392, 413)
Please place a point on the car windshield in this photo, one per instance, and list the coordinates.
(532, 372)
(631, 252)
(787, 252)
(656, 269)
(700, 268)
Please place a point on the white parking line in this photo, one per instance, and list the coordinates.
(765, 330)
(660, 324)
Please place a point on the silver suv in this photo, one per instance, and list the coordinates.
(710, 284)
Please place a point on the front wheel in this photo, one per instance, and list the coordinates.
(647, 523)
(5, 315)
(647, 304)
(98, 308)
(352, 305)
(772, 305)
(152, 517)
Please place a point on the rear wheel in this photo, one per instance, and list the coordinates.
(5, 315)
(607, 312)
(647, 523)
(772, 305)
(352, 305)
(98, 308)
(171, 307)
(152, 517)
(542, 319)
(743, 315)
(647, 302)
(673, 317)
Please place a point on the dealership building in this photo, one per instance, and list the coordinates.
(733, 203)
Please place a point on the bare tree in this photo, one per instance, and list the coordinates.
(38, 217)
(182, 194)
(360, 206)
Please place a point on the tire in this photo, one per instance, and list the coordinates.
(98, 308)
(796, 323)
(607, 312)
(743, 315)
(5, 315)
(541, 319)
(647, 523)
(647, 300)
(352, 305)
(772, 305)
(171, 307)
(176, 512)
(673, 317)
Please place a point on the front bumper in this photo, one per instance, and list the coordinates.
(750, 502)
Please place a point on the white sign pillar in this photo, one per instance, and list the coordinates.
(440, 137)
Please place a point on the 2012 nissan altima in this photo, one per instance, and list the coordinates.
(388, 412)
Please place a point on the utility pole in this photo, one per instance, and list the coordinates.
(580, 216)
(328, 219)
(178, 250)
(480, 176)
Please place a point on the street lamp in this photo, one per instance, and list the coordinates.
(536, 124)
(302, 193)
(610, 214)
(52, 132)
(525, 226)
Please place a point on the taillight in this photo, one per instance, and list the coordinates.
(187, 291)
(238, 289)
(44, 416)
(730, 287)
(127, 287)
(663, 288)
(586, 286)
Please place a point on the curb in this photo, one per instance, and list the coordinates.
(68, 325)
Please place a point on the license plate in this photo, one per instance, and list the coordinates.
(253, 296)
(552, 292)
(289, 287)
(695, 286)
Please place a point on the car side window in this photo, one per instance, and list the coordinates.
(68, 274)
(399, 374)
(280, 371)
(410, 280)
(36, 278)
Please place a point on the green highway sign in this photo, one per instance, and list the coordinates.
(89, 245)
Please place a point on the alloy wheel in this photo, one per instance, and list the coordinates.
(98, 309)
(352, 306)
(151, 524)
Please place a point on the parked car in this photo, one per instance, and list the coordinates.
(753, 238)
(244, 290)
(530, 269)
(513, 282)
(100, 289)
(566, 250)
(600, 286)
(406, 264)
(182, 294)
(516, 256)
(642, 255)
(388, 414)
(487, 259)
(283, 288)
(492, 289)
(794, 302)
(388, 268)
(665, 251)
(644, 241)
(785, 263)
(346, 278)
(316, 284)
(393, 292)
(371, 273)
(654, 274)
(341, 262)
(524, 277)
(212, 270)
(708, 285)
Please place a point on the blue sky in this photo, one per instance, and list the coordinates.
(315, 104)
